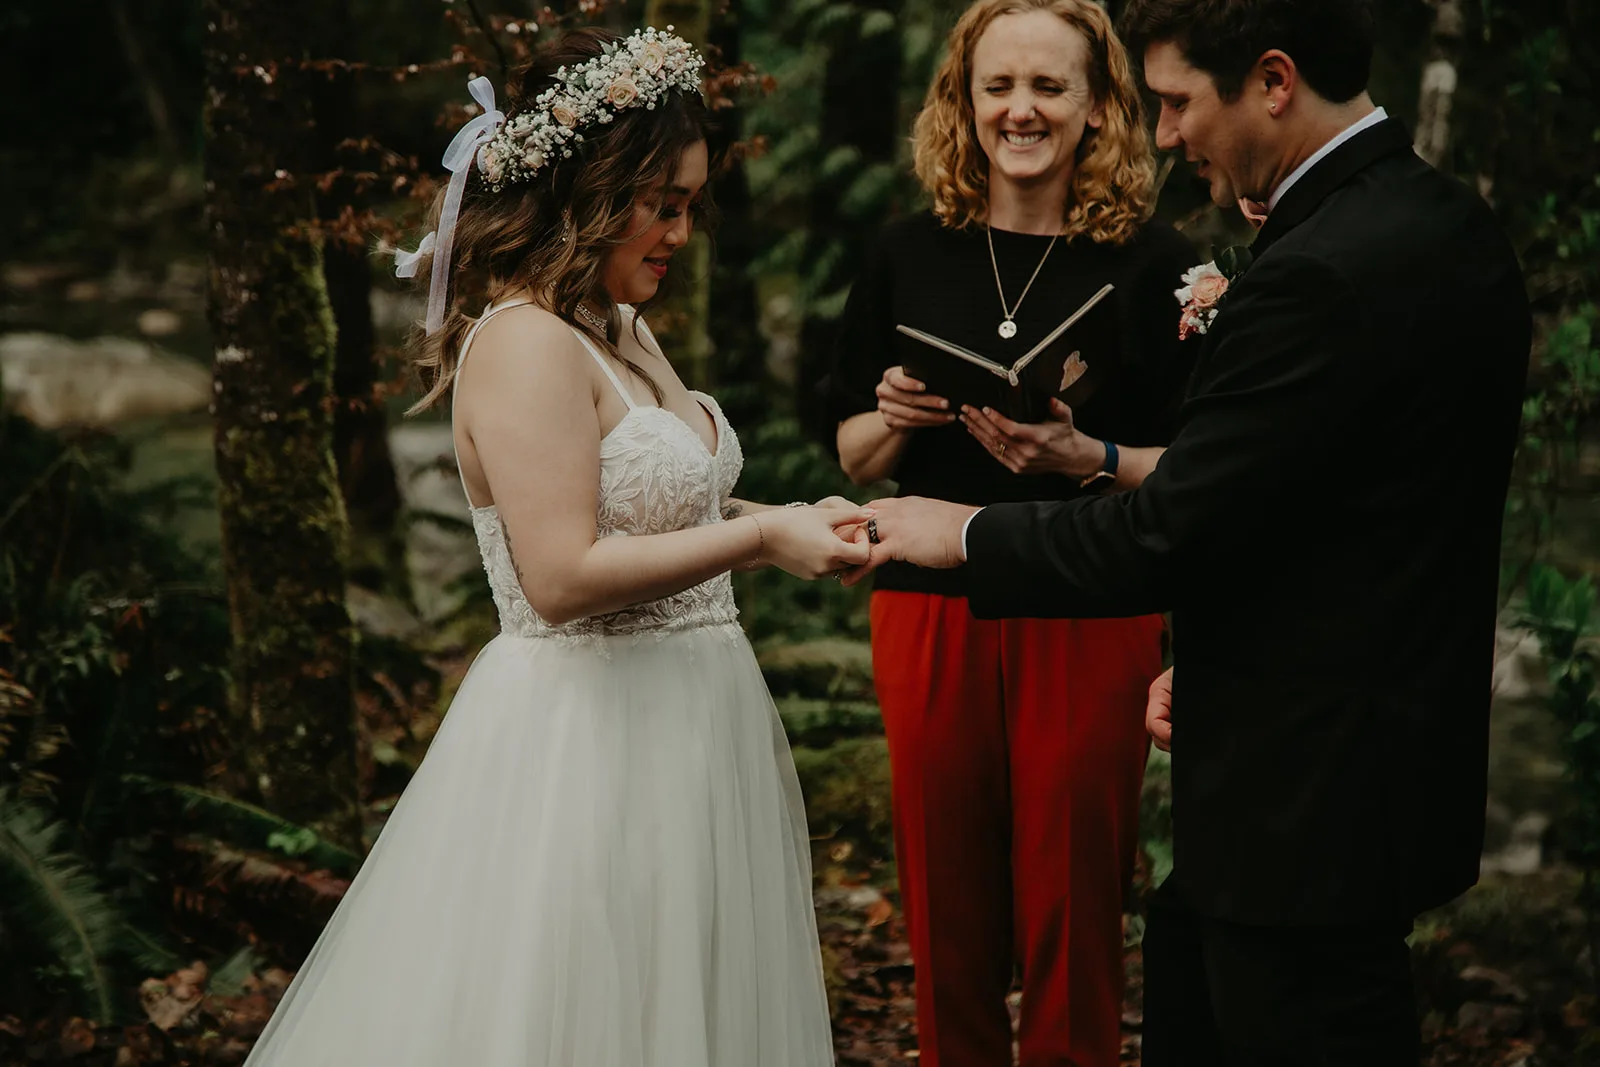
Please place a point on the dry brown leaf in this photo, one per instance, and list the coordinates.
(77, 1037)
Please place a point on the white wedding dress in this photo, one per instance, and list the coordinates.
(603, 860)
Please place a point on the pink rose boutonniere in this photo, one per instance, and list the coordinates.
(1204, 289)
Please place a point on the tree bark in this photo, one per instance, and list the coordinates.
(1439, 78)
(738, 350)
(155, 99)
(691, 20)
(860, 128)
(367, 476)
(291, 717)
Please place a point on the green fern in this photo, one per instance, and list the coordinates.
(254, 827)
(49, 896)
(231, 976)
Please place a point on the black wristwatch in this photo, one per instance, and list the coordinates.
(1107, 474)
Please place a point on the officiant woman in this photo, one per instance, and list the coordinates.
(1017, 747)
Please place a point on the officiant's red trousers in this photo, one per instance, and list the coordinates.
(1017, 750)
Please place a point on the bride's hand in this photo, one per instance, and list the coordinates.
(807, 542)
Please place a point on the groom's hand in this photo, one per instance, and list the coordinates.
(923, 532)
(1158, 711)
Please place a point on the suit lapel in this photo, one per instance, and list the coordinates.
(1337, 167)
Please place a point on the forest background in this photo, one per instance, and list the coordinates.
(186, 787)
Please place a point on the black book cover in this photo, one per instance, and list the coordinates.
(1061, 365)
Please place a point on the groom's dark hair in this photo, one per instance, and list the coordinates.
(1330, 41)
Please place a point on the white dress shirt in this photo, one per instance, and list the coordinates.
(1377, 116)
(1312, 160)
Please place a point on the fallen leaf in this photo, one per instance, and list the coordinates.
(77, 1037)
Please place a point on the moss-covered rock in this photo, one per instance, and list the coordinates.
(825, 669)
(846, 787)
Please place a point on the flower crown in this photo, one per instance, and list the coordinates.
(634, 72)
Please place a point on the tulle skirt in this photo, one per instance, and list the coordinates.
(602, 862)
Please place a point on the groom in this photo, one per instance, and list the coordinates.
(1325, 530)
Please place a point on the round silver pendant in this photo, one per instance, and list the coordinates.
(1008, 329)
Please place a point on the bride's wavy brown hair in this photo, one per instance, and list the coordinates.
(1113, 187)
(553, 235)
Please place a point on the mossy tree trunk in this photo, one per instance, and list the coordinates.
(291, 717)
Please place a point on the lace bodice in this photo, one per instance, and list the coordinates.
(656, 475)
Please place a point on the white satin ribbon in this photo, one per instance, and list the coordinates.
(405, 263)
(458, 161)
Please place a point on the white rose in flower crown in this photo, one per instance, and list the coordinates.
(652, 57)
(564, 113)
(533, 159)
(622, 92)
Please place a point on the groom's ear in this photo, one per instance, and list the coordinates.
(1275, 80)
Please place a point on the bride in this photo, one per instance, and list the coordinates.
(603, 861)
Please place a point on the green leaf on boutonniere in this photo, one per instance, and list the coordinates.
(1233, 261)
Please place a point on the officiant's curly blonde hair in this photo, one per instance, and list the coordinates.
(1113, 189)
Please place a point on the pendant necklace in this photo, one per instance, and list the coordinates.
(1008, 327)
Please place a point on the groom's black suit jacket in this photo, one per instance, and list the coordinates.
(1325, 530)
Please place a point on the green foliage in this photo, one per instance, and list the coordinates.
(1155, 818)
(847, 791)
(1561, 613)
(110, 644)
(251, 826)
(1559, 415)
(54, 906)
(782, 465)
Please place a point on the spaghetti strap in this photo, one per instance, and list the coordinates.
(466, 343)
(605, 365)
(455, 388)
(639, 320)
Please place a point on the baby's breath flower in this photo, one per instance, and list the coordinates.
(636, 71)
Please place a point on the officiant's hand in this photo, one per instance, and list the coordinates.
(1158, 711)
(923, 532)
(905, 403)
(1054, 447)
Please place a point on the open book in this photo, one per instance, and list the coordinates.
(1022, 389)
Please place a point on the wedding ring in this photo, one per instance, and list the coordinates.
(1002, 448)
(872, 532)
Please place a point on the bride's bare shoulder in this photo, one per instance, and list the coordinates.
(525, 346)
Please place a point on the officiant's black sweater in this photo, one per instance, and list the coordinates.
(940, 280)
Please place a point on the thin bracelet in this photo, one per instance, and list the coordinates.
(761, 546)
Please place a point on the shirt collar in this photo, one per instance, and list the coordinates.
(1371, 120)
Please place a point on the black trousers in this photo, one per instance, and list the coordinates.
(1218, 994)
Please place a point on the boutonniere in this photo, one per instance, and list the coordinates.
(1206, 286)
